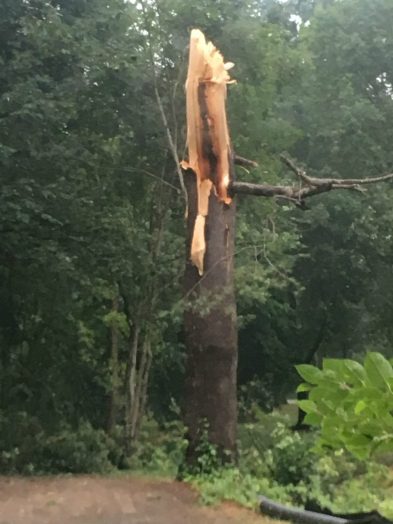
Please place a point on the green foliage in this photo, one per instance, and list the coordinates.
(79, 143)
(159, 450)
(83, 450)
(279, 463)
(208, 456)
(290, 459)
(233, 484)
(253, 394)
(270, 450)
(352, 404)
(91, 211)
(31, 450)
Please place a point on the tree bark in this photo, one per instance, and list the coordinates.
(114, 365)
(144, 386)
(210, 316)
(211, 331)
(130, 385)
(141, 380)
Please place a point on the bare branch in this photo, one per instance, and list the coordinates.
(297, 170)
(245, 162)
(171, 141)
(265, 190)
(292, 194)
(295, 201)
(313, 186)
(337, 183)
(152, 175)
(356, 181)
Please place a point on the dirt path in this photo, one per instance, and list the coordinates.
(100, 500)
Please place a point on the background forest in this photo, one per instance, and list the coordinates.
(92, 225)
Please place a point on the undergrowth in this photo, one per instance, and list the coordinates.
(275, 462)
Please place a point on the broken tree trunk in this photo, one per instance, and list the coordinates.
(209, 150)
(210, 317)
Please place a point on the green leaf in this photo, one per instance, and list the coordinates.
(310, 374)
(355, 370)
(307, 405)
(360, 406)
(328, 394)
(360, 452)
(336, 366)
(303, 387)
(359, 445)
(379, 370)
(314, 419)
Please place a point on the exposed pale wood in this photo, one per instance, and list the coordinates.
(198, 244)
(209, 150)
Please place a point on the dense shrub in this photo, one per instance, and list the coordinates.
(160, 449)
(82, 449)
(290, 458)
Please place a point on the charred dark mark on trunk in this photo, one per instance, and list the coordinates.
(208, 129)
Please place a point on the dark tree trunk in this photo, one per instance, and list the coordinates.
(211, 331)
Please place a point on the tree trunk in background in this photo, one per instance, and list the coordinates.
(143, 392)
(130, 385)
(136, 382)
(114, 366)
(140, 392)
(211, 331)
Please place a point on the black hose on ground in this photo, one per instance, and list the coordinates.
(302, 516)
(278, 511)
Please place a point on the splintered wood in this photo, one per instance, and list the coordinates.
(209, 152)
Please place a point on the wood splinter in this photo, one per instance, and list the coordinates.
(208, 141)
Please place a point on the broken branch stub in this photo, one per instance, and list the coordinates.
(209, 149)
